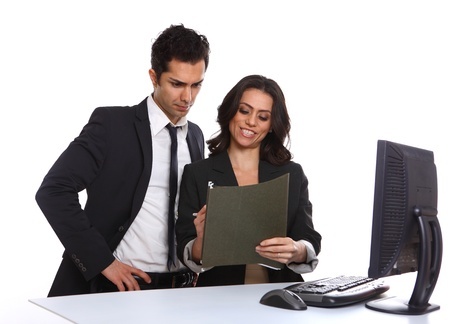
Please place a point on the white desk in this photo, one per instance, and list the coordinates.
(229, 304)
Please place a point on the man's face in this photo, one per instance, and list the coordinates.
(176, 90)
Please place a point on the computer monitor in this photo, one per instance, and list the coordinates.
(406, 235)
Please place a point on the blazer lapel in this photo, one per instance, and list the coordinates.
(223, 175)
(268, 171)
(142, 125)
(195, 142)
(222, 171)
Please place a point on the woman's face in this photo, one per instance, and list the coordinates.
(253, 119)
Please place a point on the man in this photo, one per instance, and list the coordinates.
(121, 239)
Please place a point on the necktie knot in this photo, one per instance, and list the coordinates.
(171, 127)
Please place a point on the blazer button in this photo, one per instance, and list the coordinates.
(74, 256)
(121, 228)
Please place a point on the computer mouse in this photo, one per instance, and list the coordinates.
(283, 298)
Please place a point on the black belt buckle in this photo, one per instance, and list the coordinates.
(185, 279)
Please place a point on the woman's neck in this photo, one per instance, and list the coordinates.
(245, 165)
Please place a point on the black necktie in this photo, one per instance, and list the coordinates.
(173, 185)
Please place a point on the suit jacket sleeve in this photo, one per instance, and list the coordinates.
(300, 221)
(57, 197)
(192, 199)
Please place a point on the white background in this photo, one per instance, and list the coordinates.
(353, 72)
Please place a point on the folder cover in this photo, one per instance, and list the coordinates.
(239, 218)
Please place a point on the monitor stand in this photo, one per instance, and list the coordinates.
(394, 305)
(430, 258)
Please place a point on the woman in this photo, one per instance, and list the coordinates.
(249, 149)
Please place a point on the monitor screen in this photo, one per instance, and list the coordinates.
(406, 235)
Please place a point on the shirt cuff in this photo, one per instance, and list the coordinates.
(187, 259)
(311, 260)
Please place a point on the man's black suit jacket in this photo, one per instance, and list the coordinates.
(112, 160)
(218, 170)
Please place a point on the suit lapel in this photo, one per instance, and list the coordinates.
(222, 171)
(268, 171)
(195, 143)
(142, 125)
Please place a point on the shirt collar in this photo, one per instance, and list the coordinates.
(159, 120)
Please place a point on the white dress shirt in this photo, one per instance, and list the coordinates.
(144, 245)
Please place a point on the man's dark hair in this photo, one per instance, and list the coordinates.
(180, 43)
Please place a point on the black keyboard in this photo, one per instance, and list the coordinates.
(338, 291)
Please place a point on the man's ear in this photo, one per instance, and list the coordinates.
(153, 77)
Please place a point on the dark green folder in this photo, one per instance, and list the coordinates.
(239, 218)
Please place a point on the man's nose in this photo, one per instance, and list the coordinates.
(187, 95)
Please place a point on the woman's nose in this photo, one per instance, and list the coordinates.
(251, 120)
